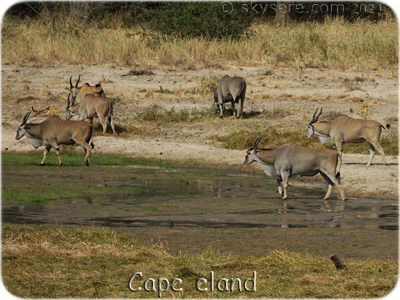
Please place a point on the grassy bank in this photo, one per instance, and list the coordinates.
(81, 182)
(76, 160)
(335, 42)
(91, 262)
(272, 138)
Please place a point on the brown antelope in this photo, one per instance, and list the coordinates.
(230, 89)
(92, 107)
(78, 93)
(54, 132)
(291, 159)
(348, 130)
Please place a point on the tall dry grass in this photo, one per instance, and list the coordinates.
(66, 41)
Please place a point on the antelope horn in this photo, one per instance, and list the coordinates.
(26, 118)
(315, 119)
(70, 82)
(68, 102)
(256, 143)
(320, 112)
(78, 80)
(40, 111)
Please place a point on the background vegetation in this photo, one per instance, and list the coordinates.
(68, 40)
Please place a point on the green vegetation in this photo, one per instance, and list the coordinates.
(156, 113)
(272, 138)
(153, 208)
(199, 19)
(76, 160)
(163, 91)
(95, 262)
(37, 192)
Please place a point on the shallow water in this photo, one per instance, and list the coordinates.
(200, 199)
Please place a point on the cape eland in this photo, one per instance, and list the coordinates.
(230, 89)
(291, 159)
(348, 130)
(78, 93)
(92, 107)
(54, 132)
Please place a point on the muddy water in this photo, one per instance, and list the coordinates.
(230, 200)
(227, 210)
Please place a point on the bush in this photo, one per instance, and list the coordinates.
(199, 19)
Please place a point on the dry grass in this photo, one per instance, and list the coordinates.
(92, 262)
(241, 139)
(335, 43)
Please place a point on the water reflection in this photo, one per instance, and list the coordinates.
(234, 201)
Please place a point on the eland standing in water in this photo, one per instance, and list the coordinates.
(291, 159)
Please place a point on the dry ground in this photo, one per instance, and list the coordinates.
(286, 98)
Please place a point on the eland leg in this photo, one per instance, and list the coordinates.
(371, 153)
(54, 144)
(330, 185)
(278, 182)
(46, 151)
(87, 147)
(372, 148)
(333, 180)
(241, 106)
(57, 150)
(104, 124)
(285, 182)
(339, 148)
(110, 120)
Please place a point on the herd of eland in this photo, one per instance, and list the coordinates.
(89, 102)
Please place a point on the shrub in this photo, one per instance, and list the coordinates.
(199, 19)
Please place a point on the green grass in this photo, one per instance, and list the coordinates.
(163, 91)
(153, 208)
(156, 113)
(95, 262)
(72, 159)
(37, 192)
(272, 138)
